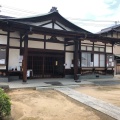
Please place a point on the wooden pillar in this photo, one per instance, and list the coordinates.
(44, 41)
(7, 50)
(105, 60)
(64, 56)
(75, 60)
(80, 56)
(114, 63)
(25, 55)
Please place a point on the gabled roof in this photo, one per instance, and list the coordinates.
(50, 16)
(105, 30)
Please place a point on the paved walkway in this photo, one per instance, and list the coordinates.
(99, 105)
(45, 83)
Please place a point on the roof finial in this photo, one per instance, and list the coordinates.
(53, 9)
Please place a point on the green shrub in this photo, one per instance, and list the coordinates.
(5, 105)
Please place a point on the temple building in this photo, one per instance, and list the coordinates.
(114, 32)
(50, 46)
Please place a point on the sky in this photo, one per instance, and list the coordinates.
(92, 15)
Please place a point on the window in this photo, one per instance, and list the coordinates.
(96, 60)
(89, 48)
(83, 47)
(109, 49)
(87, 59)
(2, 55)
(102, 60)
(99, 60)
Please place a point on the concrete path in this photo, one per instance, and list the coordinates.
(99, 105)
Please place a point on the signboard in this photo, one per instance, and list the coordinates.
(110, 60)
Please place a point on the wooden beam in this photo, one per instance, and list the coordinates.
(7, 50)
(80, 55)
(25, 55)
(46, 23)
(60, 26)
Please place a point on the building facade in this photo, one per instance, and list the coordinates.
(114, 32)
(49, 46)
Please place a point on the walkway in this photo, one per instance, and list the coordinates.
(99, 105)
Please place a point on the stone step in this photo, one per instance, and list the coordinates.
(3, 79)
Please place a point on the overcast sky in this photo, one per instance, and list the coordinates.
(103, 13)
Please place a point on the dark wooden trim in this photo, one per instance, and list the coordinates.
(15, 38)
(80, 55)
(69, 51)
(46, 23)
(3, 34)
(3, 44)
(25, 55)
(60, 26)
(14, 47)
(53, 26)
(7, 50)
(44, 41)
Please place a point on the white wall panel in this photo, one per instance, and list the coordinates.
(36, 36)
(68, 60)
(54, 46)
(14, 42)
(35, 44)
(3, 39)
(70, 48)
(13, 58)
(15, 34)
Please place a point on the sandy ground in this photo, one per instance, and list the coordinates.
(49, 105)
(110, 94)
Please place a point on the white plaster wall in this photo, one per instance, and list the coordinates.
(15, 34)
(54, 46)
(13, 58)
(48, 37)
(57, 27)
(40, 23)
(3, 39)
(70, 48)
(35, 44)
(87, 41)
(68, 60)
(3, 32)
(36, 36)
(60, 38)
(116, 49)
(2, 67)
(23, 44)
(14, 42)
(48, 25)
(108, 44)
(109, 49)
(64, 26)
(99, 43)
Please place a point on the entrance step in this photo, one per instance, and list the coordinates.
(54, 87)
(3, 79)
(97, 104)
